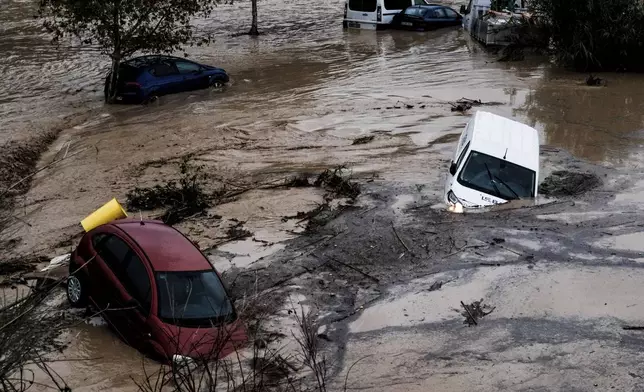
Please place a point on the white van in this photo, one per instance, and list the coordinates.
(496, 160)
(374, 14)
(490, 32)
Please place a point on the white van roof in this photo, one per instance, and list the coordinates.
(493, 134)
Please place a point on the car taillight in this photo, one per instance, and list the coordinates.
(379, 14)
(346, 6)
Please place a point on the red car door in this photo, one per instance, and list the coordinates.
(137, 292)
(109, 278)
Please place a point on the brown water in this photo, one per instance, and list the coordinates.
(308, 71)
(299, 94)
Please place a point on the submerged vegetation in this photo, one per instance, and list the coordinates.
(180, 199)
(591, 35)
(566, 183)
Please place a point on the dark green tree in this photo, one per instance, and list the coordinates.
(592, 35)
(121, 28)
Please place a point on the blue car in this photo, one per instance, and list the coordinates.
(143, 79)
(426, 17)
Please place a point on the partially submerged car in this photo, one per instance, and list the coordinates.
(156, 290)
(496, 160)
(493, 28)
(374, 14)
(426, 17)
(144, 78)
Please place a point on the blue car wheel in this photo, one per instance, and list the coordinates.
(216, 82)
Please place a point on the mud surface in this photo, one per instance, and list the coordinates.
(566, 183)
(561, 275)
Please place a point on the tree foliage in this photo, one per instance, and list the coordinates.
(592, 35)
(121, 28)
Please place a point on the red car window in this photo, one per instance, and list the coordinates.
(113, 251)
(128, 268)
(137, 282)
(97, 239)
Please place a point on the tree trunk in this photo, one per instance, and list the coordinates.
(253, 26)
(116, 54)
(111, 90)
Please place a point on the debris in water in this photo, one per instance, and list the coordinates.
(237, 231)
(324, 336)
(57, 262)
(272, 368)
(333, 181)
(465, 104)
(299, 181)
(633, 328)
(436, 286)
(304, 215)
(363, 140)
(20, 264)
(497, 241)
(449, 138)
(475, 311)
(461, 107)
(566, 183)
(593, 81)
(473, 102)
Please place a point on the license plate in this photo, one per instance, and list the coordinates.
(406, 23)
(354, 25)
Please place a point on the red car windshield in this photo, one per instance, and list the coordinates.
(193, 299)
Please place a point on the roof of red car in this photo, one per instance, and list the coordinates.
(166, 248)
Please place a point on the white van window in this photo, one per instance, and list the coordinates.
(420, 2)
(460, 158)
(363, 5)
(497, 177)
(397, 4)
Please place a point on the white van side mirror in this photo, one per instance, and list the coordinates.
(452, 168)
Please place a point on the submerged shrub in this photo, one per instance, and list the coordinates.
(181, 198)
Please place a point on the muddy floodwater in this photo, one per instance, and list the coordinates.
(300, 94)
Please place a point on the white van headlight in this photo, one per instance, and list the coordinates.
(451, 197)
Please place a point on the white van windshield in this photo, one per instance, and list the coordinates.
(497, 177)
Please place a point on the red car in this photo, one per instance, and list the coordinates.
(156, 290)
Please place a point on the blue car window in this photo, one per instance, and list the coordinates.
(186, 67)
(450, 13)
(411, 11)
(163, 68)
